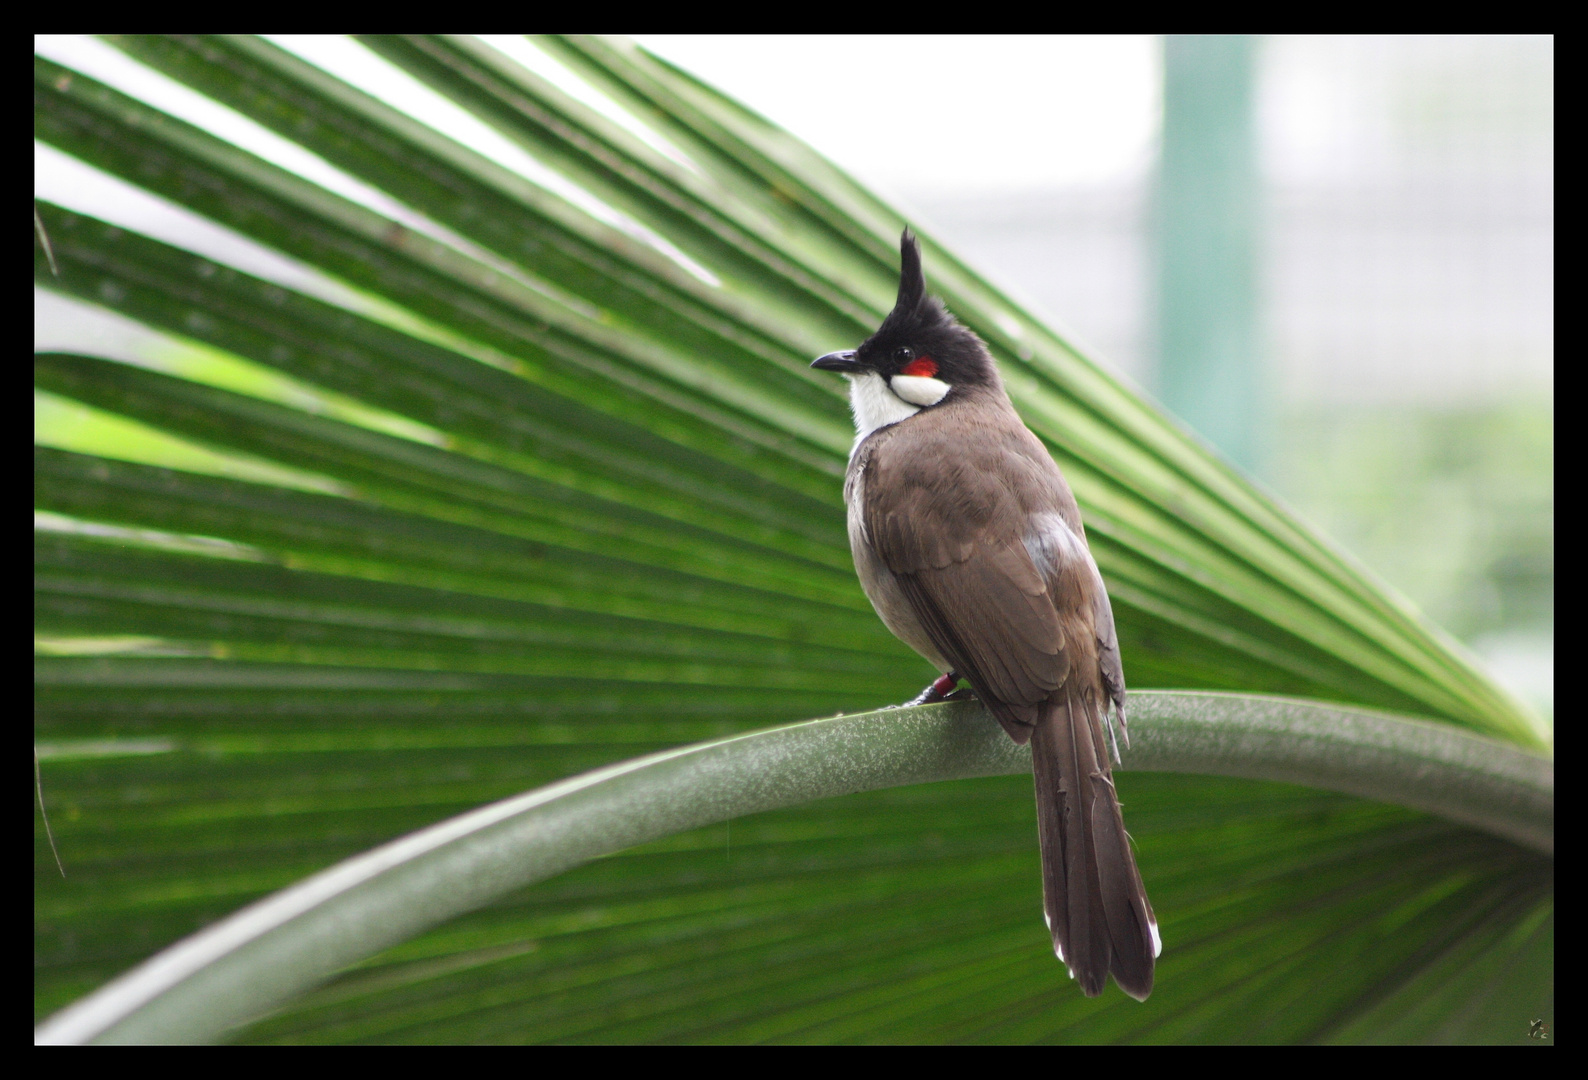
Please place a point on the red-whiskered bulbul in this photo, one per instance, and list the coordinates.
(970, 546)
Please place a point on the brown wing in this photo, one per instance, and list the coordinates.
(949, 522)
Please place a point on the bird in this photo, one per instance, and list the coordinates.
(970, 546)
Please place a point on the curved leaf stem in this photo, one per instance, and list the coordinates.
(275, 949)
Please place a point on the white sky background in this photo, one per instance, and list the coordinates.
(940, 114)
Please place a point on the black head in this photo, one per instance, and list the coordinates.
(919, 337)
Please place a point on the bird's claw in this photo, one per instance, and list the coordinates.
(941, 689)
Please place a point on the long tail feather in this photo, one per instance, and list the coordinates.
(1093, 897)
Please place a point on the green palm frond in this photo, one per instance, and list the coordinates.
(478, 477)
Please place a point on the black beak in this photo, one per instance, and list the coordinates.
(841, 362)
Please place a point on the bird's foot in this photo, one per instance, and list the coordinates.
(941, 689)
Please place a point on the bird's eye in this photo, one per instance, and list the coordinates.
(903, 355)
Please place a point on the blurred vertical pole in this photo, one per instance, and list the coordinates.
(1207, 219)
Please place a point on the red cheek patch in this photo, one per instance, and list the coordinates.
(923, 367)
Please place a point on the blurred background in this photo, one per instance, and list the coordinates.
(1331, 257)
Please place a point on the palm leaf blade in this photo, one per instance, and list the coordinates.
(494, 491)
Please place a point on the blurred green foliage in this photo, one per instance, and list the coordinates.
(1454, 508)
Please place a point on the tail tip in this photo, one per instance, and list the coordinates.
(1140, 994)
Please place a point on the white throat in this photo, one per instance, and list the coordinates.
(877, 405)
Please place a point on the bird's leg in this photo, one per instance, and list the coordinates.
(942, 689)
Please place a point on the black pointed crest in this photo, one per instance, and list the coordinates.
(921, 322)
(913, 305)
(912, 279)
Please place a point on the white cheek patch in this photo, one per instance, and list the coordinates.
(874, 405)
(919, 389)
